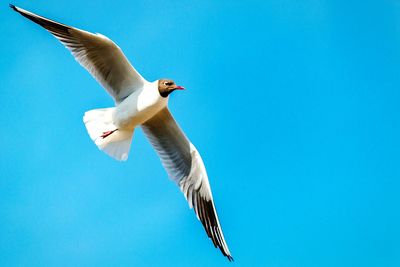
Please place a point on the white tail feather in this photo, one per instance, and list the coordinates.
(118, 143)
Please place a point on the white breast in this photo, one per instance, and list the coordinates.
(138, 107)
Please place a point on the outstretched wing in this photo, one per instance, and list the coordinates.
(96, 53)
(184, 165)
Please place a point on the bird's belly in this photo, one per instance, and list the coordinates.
(135, 110)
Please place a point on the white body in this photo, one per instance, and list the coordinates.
(138, 107)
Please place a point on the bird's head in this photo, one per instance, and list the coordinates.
(165, 87)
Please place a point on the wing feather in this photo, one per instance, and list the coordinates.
(184, 165)
(100, 56)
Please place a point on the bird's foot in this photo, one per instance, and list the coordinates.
(105, 134)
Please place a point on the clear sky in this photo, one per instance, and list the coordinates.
(293, 105)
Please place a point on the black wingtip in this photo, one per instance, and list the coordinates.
(13, 7)
(230, 258)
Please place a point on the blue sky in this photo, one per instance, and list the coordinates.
(293, 105)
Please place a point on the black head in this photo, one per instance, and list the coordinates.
(165, 87)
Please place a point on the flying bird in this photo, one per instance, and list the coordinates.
(138, 103)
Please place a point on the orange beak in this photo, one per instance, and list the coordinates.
(178, 87)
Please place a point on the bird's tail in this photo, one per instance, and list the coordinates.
(114, 142)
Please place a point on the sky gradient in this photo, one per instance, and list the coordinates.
(293, 105)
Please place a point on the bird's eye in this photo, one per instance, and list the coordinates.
(168, 83)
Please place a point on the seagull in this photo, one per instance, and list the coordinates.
(138, 103)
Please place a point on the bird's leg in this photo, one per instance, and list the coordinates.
(105, 134)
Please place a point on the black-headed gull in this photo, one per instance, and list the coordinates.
(138, 103)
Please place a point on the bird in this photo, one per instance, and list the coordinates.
(138, 103)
